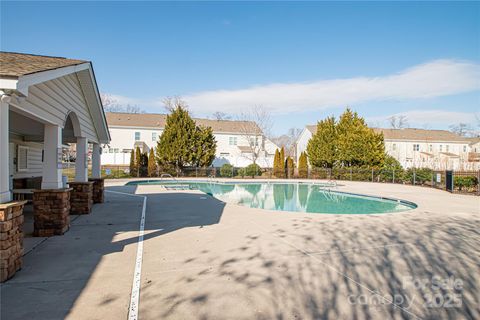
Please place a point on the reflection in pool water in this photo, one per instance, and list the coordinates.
(293, 197)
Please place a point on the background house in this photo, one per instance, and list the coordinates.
(130, 129)
(419, 148)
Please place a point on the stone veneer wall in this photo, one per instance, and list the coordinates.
(51, 212)
(11, 238)
(98, 189)
(82, 197)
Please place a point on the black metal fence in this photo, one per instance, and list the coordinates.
(466, 182)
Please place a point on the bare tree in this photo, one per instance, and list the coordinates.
(462, 129)
(255, 126)
(171, 103)
(111, 104)
(218, 115)
(398, 121)
(288, 140)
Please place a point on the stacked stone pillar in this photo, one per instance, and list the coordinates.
(11, 238)
(98, 189)
(51, 212)
(82, 197)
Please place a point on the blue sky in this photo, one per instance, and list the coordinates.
(302, 61)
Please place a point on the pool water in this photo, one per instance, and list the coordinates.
(301, 197)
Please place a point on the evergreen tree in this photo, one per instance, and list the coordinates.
(138, 161)
(357, 144)
(321, 148)
(144, 165)
(205, 147)
(276, 164)
(133, 170)
(303, 166)
(346, 143)
(290, 167)
(152, 165)
(178, 140)
(282, 163)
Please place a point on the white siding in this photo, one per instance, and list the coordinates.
(34, 159)
(54, 99)
(302, 142)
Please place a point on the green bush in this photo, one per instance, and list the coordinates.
(226, 170)
(252, 170)
(465, 183)
(422, 175)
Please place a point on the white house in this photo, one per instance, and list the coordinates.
(420, 148)
(144, 129)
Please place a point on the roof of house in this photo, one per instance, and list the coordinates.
(474, 140)
(14, 65)
(155, 120)
(412, 134)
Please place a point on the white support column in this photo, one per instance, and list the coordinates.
(96, 161)
(81, 163)
(5, 192)
(52, 147)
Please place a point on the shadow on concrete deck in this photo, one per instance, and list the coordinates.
(57, 271)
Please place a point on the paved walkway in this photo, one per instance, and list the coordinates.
(205, 259)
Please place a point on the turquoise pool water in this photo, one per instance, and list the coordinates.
(311, 198)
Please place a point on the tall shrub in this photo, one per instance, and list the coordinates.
(276, 164)
(281, 163)
(152, 164)
(133, 170)
(289, 167)
(138, 161)
(303, 165)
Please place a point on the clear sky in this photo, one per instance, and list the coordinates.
(300, 60)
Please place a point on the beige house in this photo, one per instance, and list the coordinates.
(144, 129)
(419, 148)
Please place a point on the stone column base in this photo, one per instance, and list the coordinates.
(11, 238)
(51, 208)
(98, 189)
(82, 197)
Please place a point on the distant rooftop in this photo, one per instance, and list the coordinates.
(413, 134)
(156, 120)
(14, 65)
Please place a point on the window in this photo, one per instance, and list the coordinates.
(154, 136)
(22, 158)
(394, 147)
(110, 150)
(232, 141)
(464, 148)
(115, 150)
(446, 147)
(254, 141)
(416, 147)
(430, 148)
(441, 148)
(137, 136)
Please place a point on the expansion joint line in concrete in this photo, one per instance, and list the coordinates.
(137, 275)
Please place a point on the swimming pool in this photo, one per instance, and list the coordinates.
(301, 197)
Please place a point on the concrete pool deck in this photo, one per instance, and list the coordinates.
(205, 259)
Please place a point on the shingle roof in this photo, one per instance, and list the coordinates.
(420, 135)
(155, 120)
(14, 65)
(413, 134)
